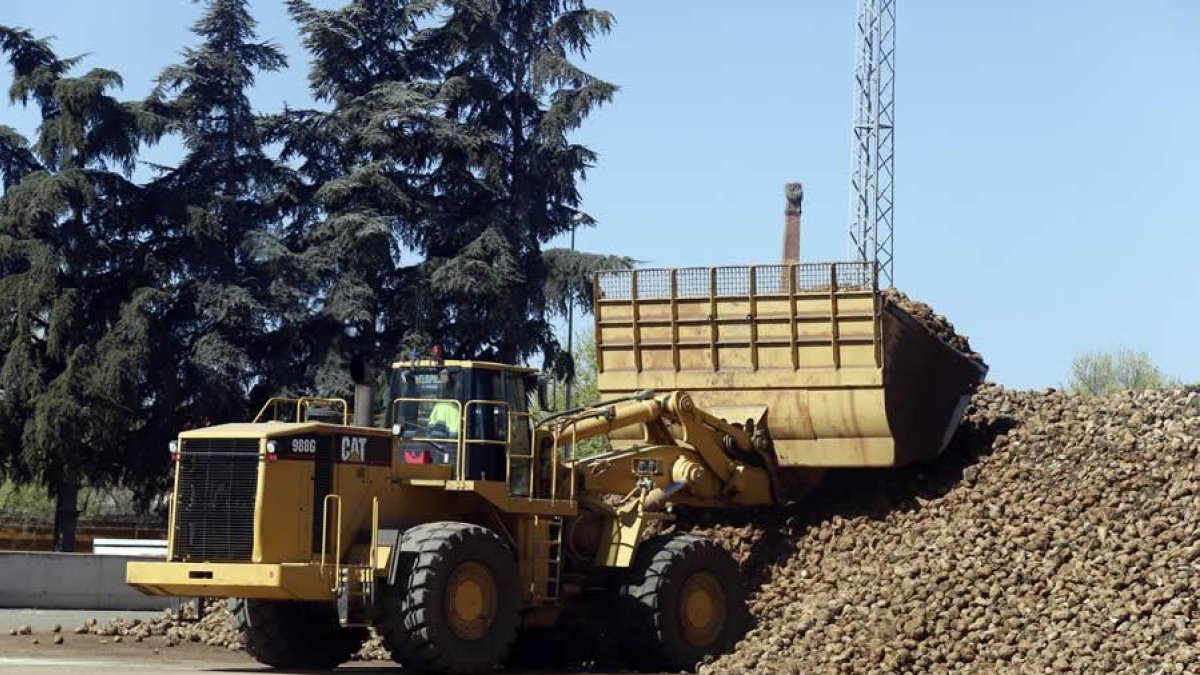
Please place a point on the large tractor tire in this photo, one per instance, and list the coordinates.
(299, 635)
(455, 601)
(682, 600)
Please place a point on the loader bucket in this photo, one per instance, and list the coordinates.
(927, 386)
(840, 375)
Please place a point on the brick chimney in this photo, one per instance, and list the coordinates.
(793, 193)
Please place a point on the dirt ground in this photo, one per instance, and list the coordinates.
(86, 654)
(95, 654)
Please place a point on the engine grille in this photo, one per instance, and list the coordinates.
(214, 505)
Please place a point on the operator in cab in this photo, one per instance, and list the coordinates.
(441, 408)
(443, 420)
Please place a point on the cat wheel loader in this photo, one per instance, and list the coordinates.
(468, 533)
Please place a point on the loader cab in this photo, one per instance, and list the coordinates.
(470, 415)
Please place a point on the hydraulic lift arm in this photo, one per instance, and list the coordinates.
(686, 454)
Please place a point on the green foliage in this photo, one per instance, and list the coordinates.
(225, 260)
(441, 170)
(1097, 373)
(16, 499)
(412, 208)
(508, 76)
(569, 277)
(76, 295)
(32, 500)
(585, 390)
(369, 170)
(16, 158)
(36, 69)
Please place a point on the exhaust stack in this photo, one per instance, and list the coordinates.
(364, 392)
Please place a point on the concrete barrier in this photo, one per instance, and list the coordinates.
(70, 581)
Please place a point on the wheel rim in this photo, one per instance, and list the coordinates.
(471, 600)
(702, 609)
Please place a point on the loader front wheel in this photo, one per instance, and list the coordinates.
(299, 635)
(453, 606)
(683, 599)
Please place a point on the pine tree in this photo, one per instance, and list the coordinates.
(509, 77)
(373, 170)
(232, 283)
(443, 167)
(77, 300)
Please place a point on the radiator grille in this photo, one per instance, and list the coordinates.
(214, 506)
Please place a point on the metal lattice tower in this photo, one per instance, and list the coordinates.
(873, 155)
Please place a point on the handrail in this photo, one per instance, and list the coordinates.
(531, 457)
(558, 435)
(263, 410)
(302, 404)
(464, 435)
(337, 552)
(464, 439)
(571, 455)
(374, 533)
(306, 401)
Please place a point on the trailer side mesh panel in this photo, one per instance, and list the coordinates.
(736, 282)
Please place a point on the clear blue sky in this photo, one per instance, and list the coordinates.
(1046, 195)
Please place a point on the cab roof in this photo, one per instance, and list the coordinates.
(489, 365)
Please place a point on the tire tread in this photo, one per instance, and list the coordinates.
(652, 646)
(407, 628)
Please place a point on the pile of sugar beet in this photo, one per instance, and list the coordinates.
(1057, 533)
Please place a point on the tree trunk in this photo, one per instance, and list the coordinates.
(66, 514)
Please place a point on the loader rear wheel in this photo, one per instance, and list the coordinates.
(454, 604)
(683, 599)
(287, 634)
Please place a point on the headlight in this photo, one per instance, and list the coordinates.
(396, 430)
(271, 447)
(173, 446)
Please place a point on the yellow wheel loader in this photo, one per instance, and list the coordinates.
(469, 534)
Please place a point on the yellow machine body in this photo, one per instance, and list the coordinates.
(841, 376)
(724, 388)
(295, 540)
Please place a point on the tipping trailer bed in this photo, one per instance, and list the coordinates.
(840, 375)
